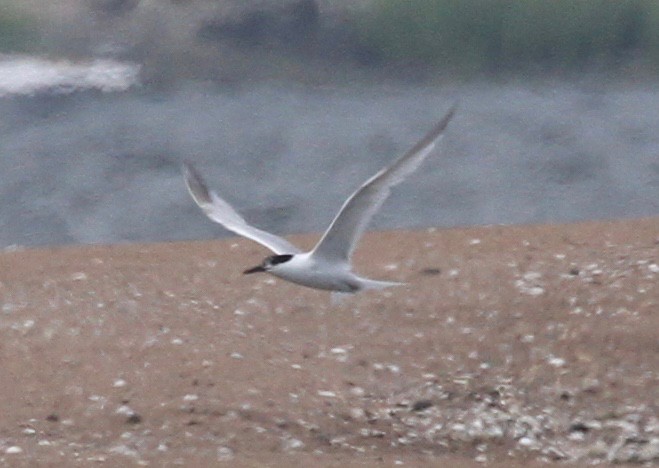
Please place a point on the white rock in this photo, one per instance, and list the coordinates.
(357, 391)
(292, 444)
(535, 291)
(494, 432)
(125, 410)
(526, 442)
(576, 436)
(650, 451)
(119, 383)
(357, 413)
(224, 454)
(556, 361)
(393, 368)
(124, 450)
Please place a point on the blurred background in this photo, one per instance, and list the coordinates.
(287, 106)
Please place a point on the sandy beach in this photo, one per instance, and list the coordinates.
(509, 346)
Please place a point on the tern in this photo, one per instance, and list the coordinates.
(327, 266)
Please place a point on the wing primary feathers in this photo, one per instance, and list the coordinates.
(340, 239)
(222, 213)
(338, 242)
(195, 184)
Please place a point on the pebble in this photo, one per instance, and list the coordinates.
(357, 391)
(119, 383)
(357, 413)
(224, 454)
(125, 410)
(292, 444)
(125, 450)
(576, 436)
(528, 339)
(526, 442)
(556, 361)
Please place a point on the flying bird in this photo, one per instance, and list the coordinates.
(327, 266)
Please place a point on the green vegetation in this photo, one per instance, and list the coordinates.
(493, 35)
(18, 32)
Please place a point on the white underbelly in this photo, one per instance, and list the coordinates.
(330, 281)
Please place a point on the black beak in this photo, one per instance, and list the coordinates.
(256, 269)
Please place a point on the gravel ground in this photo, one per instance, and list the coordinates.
(511, 346)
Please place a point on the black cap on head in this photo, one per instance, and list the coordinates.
(277, 259)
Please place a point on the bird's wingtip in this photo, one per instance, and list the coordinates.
(188, 168)
(448, 116)
(195, 183)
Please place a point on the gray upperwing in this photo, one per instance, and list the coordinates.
(221, 212)
(340, 239)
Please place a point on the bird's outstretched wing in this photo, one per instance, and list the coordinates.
(221, 212)
(338, 242)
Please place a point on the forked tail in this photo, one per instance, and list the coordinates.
(374, 284)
